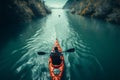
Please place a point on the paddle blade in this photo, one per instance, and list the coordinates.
(70, 50)
(41, 53)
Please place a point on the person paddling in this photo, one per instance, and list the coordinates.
(56, 61)
(56, 56)
(59, 15)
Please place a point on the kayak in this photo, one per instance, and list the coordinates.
(56, 61)
(56, 71)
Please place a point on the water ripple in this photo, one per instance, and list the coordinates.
(78, 65)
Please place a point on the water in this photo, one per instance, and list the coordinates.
(97, 45)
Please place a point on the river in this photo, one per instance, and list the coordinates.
(97, 45)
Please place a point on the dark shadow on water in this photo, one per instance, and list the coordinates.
(25, 73)
(10, 31)
(64, 74)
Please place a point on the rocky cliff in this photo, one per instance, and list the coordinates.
(14, 11)
(108, 10)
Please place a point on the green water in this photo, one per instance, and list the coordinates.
(97, 45)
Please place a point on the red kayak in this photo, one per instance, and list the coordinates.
(56, 71)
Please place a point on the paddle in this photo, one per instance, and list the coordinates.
(41, 53)
(69, 50)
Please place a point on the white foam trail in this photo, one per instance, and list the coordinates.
(67, 64)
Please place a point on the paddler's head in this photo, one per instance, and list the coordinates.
(56, 49)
